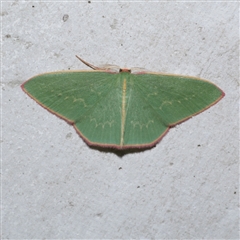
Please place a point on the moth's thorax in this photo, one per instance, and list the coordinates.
(125, 70)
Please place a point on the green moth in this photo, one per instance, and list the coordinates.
(121, 108)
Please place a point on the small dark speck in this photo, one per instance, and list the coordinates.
(103, 16)
(99, 214)
(33, 6)
(120, 168)
(171, 163)
(138, 186)
(89, 1)
(65, 17)
(8, 36)
(199, 145)
(3, 13)
(69, 68)
(69, 135)
(235, 192)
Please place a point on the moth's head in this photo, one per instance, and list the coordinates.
(125, 70)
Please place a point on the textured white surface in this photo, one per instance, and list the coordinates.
(55, 186)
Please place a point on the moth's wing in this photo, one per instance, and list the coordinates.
(88, 100)
(158, 101)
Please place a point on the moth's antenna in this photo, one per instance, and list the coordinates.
(88, 64)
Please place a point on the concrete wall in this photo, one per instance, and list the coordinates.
(57, 187)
